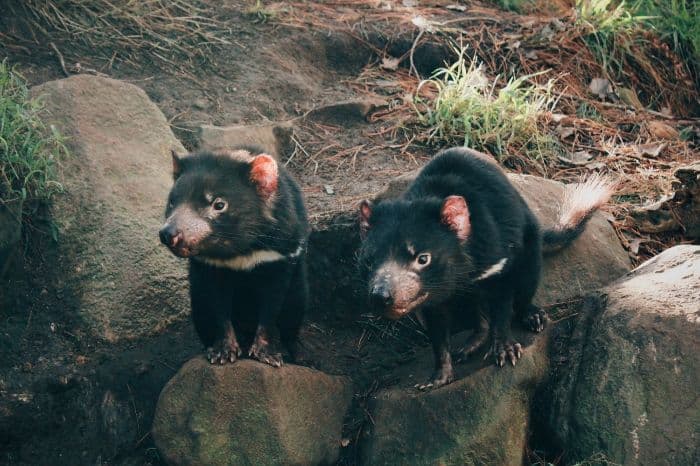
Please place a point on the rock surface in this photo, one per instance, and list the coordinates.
(595, 259)
(111, 269)
(274, 138)
(629, 387)
(346, 113)
(249, 413)
(481, 418)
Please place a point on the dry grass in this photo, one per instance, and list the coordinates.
(176, 33)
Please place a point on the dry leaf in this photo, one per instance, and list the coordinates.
(344, 442)
(565, 131)
(600, 87)
(634, 245)
(651, 150)
(565, 120)
(456, 7)
(595, 165)
(513, 45)
(390, 63)
(662, 130)
(581, 157)
(629, 97)
(547, 33)
(531, 55)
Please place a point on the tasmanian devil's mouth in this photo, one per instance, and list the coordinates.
(183, 251)
(399, 310)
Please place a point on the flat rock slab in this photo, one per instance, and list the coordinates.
(347, 112)
(594, 260)
(629, 389)
(110, 267)
(273, 138)
(250, 413)
(479, 419)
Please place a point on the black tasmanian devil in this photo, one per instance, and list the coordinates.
(240, 219)
(461, 244)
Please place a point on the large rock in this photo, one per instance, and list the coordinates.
(629, 386)
(110, 267)
(595, 259)
(480, 419)
(273, 138)
(249, 413)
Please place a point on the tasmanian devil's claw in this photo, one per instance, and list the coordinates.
(536, 320)
(508, 352)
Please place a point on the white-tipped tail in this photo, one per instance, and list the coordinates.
(582, 199)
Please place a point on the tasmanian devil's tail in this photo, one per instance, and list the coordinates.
(580, 202)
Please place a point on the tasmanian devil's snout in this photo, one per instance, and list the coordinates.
(395, 289)
(184, 230)
(170, 235)
(380, 294)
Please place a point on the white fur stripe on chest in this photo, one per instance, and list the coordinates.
(252, 260)
(495, 269)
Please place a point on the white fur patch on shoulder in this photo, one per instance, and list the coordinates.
(495, 269)
(247, 262)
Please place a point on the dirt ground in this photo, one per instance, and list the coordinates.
(304, 56)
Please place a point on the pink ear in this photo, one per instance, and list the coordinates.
(455, 214)
(365, 214)
(263, 172)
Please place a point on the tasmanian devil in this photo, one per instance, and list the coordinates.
(240, 219)
(461, 245)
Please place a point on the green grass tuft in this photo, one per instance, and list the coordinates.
(612, 31)
(28, 150)
(259, 14)
(678, 23)
(468, 109)
(616, 29)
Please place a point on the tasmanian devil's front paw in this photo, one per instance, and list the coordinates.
(439, 379)
(263, 353)
(509, 351)
(535, 320)
(223, 351)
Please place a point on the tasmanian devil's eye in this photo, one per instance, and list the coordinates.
(423, 259)
(219, 204)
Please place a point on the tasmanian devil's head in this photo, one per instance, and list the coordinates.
(412, 252)
(218, 202)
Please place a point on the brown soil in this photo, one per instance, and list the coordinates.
(309, 55)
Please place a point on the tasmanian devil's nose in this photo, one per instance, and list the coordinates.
(381, 296)
(170, 236)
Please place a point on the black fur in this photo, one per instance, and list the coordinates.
(502, 227)
(243, 308)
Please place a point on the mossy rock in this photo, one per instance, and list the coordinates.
(480, 419)
(629, 387)
(250, 413)
(111, 270)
